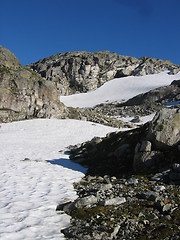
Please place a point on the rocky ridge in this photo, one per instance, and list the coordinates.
(75, 72)
(25, 94)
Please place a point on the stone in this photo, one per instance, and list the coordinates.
(166, 208)
(149, 195)
(158, 177)
(132, 181)
(115, 232)
(107, 179)
(105, 187)
(164, 130)
(159, 188)
(113, 201)
(159, 203)
(145, 146)
(86, 201)
(176, 167)
(147, 161)
(62, 204)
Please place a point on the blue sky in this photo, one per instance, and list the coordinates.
(34, 29)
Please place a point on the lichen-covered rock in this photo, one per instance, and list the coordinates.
(164, 130)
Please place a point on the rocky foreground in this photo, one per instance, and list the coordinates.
(132, 187)
(125, 208)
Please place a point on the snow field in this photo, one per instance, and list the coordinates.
(31, 189)
(119, 89)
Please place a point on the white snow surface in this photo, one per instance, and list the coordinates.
(119, 89)
(31, 189)
(143, 119)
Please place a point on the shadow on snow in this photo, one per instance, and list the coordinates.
(65, 162)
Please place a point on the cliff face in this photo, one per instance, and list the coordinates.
(23, 93)
(84, 71)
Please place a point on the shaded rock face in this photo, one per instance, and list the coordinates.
(147, 149)
(23, 93)
(159, 95)
(84, 71)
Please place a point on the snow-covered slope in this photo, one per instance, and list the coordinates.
(31, 189)
(120, 89)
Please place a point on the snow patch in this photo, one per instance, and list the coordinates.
(119, 89)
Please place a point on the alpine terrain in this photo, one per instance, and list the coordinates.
(89, 147)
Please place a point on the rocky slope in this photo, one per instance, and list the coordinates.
(25, 94)
(142, 104)
(136, 207)
(84, 71)
(132, 187)
(142, 150)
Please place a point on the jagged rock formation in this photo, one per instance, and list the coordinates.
(25, 94)
(84, 71)
(144, 150)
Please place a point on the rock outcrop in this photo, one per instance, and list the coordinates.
(25, 94)
(84, 71)
(164, 130)
(147, 149)
(161, 95)
(133, 188)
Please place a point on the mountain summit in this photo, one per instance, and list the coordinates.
(75, 72)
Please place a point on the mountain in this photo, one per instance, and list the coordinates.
(132, 190)
(75, 72)
(25, 94)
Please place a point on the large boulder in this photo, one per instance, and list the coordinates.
(25, 94)
(164, 130)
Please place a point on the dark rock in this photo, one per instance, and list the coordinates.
(149, 195)
(136, 119)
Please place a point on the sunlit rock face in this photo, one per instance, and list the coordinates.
(25, 94)
(75, 72)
